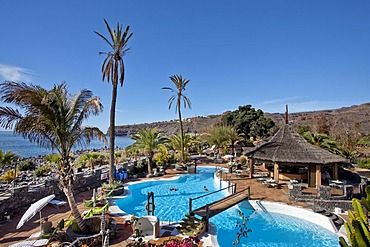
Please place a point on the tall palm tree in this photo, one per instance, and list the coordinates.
(179, 96)
(113, 70)
(53, 119)
(148, 141)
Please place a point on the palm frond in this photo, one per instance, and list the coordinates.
(106, 40)
(9, 117)
(186, 102)
(111, 33)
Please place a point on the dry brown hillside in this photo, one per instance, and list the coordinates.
(346, 124)
(342, 124)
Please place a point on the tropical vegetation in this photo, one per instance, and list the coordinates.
(148, 141)
(163, 156)
(42, 171)
(357, 228)
(113, 70)
(250, 122)
(53, 119)
(325, 142)
(180, 84)
(223, 137)
(9, 176)
(92, 159)
(26, 165)
(8, 158)
(182, 147)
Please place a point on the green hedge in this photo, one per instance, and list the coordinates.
(364, 163)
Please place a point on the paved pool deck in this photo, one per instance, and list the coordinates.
(9, 235)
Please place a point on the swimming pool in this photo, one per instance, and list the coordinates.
(268, 229)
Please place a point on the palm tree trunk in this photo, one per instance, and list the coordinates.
(182, 136)
(150, 161)
(66, 181)
(73, 206)
(112, 131)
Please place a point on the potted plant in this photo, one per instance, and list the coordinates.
(114, 189)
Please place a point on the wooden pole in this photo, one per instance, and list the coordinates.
(207, 217)
(286, 114)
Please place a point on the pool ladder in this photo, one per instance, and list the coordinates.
(261, 206)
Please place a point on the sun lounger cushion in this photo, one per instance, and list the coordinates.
(58, 203)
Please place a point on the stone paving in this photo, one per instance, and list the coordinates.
(9, 235)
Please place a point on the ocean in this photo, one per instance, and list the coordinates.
(15, 143)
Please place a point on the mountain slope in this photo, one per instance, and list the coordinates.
(338, 123)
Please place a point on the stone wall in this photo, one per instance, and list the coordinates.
(364, 173)
(22, 197)
(323, 199)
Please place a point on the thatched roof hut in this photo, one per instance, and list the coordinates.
(287, 147)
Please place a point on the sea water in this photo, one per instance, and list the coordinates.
(23, 147)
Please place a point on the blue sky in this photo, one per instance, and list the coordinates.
(311, 55)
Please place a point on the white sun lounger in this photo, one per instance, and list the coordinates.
(58, 203)
(40, 242)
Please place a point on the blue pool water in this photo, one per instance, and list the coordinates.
(268, 229)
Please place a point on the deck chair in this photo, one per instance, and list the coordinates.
(58, 203)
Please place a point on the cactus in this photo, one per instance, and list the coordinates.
(357, 228)
(366, 201)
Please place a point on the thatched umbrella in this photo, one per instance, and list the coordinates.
(289, 148)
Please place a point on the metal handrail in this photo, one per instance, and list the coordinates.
(212, 192)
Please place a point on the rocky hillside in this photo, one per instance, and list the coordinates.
(353, 120)
(346, 121)
(191, 125)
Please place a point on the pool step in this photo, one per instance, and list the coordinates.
(338, 221)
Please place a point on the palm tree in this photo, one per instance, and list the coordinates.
(179, 95)
(323, 141)
(91, 158)
(216, 135)
(7, 158)
(133, 151)
(113, 70)
(175, 144)
(316, 139)
(233, 137)
(148, 141)
(53, 119)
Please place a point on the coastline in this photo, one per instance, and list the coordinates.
(23, 147)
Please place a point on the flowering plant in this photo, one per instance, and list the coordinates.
(186, 242)
(170, 242)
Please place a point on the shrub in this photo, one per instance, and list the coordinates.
(364, 163)
(42, 171)
(243, 160)
(114, 185)
(141, 167)
(249, 143)
(80, 164)
(26, 165)
(9, 176)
